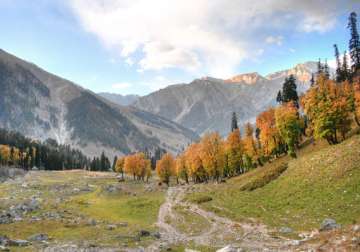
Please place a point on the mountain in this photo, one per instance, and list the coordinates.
(41, 105)
(123, 100)
(207, 104)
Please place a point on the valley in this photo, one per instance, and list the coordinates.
(90, 210)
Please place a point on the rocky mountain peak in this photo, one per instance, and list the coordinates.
(248, 78)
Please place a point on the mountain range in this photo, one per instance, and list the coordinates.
(207, 104)
(41, 105)
(123, 100)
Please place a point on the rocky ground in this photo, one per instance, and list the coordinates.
(84, 211)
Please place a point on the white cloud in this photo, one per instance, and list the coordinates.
(129, 61)
(277, 40)
(121, 85)
(208, 36)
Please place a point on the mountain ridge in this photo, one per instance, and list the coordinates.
(41, 105)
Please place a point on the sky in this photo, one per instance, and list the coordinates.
(139, 46)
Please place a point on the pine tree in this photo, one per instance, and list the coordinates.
(279, 97)
(326, 70)
(114, 163)
(320, 68)
(354, 43)
(339, 73)
(312, 80)
(345, 68)
(234, 123)
(289, 92)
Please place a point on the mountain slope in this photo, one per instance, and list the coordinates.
(123, 100)
(206, 104)
(41, 105)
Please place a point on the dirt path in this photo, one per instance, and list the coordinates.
(220, 232)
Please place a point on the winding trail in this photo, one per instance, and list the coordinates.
(221, 232)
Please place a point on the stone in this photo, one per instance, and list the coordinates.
(285, 230)
(191, 250)
(229, 248)
(19, 243)
(329, 224)
(4, 240)
(39, 237)
(144, 233)
(111, 227)
(3, 248)
(356, 228)
(157, 235)
(123, 224)
(92, 222)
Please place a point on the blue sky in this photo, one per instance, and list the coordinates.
(138, 46)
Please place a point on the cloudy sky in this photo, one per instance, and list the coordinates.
(138, 46)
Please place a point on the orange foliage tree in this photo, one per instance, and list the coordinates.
(165, 168)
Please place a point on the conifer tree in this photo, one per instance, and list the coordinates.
(234, 123)
(345, 68)
(279, 97)
(289, 93)
(320, 68)
(312, 80)
(339, 73)
(354, 43)
(326, 70)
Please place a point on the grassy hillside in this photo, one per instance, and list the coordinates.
(324, 182)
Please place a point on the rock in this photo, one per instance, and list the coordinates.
(5, 218)
(329, 224)
(144, 233)
(191, 250)
(123, 224)
(3, 248)
(19, 243)
(4, 240)
(355, 241)
(92, 222)
(39, 237)
(356, 228)
(295, 242)
(229, 248)
(111, 227)
(157, 235)
(285, 230)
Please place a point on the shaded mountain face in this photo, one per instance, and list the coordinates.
(207, 104)
(123, 100)
(41, 105)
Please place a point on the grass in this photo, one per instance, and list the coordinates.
(133, 204)
(324, 182)
(189, 223)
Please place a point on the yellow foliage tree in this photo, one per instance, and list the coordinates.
(165, 168)
(234, 150)
(212, 155)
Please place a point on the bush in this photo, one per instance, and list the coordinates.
(265, 178)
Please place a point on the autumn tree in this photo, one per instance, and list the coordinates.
(165, 168)
(288, 125)
(119, 166)
(269, 135)
(194, 163)
(138, 166)
(250, 151)
(181, 170)
(328, 110)
(234, 150)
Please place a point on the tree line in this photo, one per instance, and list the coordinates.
(16, 150)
